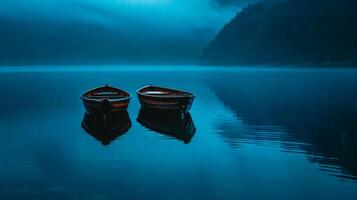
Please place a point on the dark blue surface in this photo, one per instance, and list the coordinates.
(261, 133)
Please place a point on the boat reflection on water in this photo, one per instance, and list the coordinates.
(108, 129)
(170, 123)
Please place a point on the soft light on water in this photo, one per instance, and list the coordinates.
(261, 133)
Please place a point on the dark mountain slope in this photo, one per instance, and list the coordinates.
(288, 32)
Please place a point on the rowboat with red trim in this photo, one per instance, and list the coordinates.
(105, 100)
(163, 98)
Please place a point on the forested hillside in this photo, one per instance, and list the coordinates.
(288, 32)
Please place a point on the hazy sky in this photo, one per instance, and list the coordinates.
(177, 15)
(151, 20)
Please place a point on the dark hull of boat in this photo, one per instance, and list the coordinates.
(105, 106)
(178, 100)
(168, 122)
(106, 129)
(180, 103)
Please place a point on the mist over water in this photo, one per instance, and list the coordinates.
(109, 31)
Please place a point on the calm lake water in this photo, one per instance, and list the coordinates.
(261, 133)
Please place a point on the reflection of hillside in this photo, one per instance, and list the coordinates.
(319, 111)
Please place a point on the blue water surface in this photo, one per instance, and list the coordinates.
(261, 133)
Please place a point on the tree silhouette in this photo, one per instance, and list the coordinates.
(288, 32)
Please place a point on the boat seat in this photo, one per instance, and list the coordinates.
(105, 94)
(112, 96)
(156, 92)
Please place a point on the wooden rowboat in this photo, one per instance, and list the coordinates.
(105, 100)
(162, 98)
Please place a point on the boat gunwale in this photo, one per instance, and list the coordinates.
(189, 94)
(84, 97)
